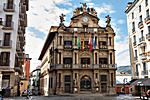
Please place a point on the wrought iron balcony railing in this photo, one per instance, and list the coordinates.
(5, 43)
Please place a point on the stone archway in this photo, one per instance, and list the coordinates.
(85, 83)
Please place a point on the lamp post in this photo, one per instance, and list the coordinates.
(124, 81)
(139, 84)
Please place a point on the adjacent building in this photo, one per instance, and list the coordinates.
(34, 82)
(13, 22)
(79, 58)
(138, 21)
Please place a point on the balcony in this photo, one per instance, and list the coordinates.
(7, 25)
(147, 20)
(103, 47)
(148, 36)
(67, 46)
(67, 66)
(142, 42)
(107, 66)
(135, 58)
(85, 66)
(145, 72)
(140, 25)
(83, 30)
(133, 30)
(5, 44)
(143, 56)
(9, 7)
(134, 43)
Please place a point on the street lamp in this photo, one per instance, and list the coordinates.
(139, 84)
(124, 81)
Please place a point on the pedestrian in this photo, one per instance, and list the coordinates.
(28, 93)
(148, 94)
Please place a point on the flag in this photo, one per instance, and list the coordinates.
(82, 43)
(90, 43)
(94, 42)
(78, 42)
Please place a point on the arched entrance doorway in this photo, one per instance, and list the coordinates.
(85, 83)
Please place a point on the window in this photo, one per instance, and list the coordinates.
(7, 39)
(96, 75)
(75, 75)
(75, 58)
(147, 13)
(60, 58)
(60, 40)
(86, 44)
(141, 18)
(110, 58)
(68, 43)
(95, 58)
(140, 8)
(59, 80)
(109, 40)
(96, 40)
(112, 79)
(136, 70)
(67, 78)
(76, 40)
(8, 21)
(4, 58)
(134, 38)
(149, 29)
(146, 2)
(142, 34)
(135, 53)
(133, 26)
(132, 15)
(85, 60)
(67, 60)
(103, 78)
(144, 66)
(103, 60)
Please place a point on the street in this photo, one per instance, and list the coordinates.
(76, 97)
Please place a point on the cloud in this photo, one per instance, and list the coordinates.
(121, 21)
(104, 8)
(41, 16)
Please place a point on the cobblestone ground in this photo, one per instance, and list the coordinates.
(76, 97)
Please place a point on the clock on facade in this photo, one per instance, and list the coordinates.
(85, 19)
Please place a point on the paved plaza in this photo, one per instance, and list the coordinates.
(76, 97)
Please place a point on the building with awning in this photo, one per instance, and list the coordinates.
(140, 86)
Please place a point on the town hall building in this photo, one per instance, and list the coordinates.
(79, 58)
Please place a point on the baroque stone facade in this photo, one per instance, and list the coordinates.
(79, 58)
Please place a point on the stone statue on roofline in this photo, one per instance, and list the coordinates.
(108, 19)
(62, 18)
(84, 6)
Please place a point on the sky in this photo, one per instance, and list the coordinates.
(43, 14)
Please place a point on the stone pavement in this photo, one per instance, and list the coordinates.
(76, 97)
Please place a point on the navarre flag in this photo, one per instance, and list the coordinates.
(94, 42)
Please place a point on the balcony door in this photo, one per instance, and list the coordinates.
(7, 39)
(8, 20)
(10, 4)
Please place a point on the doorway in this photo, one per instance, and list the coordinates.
(85, 83)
